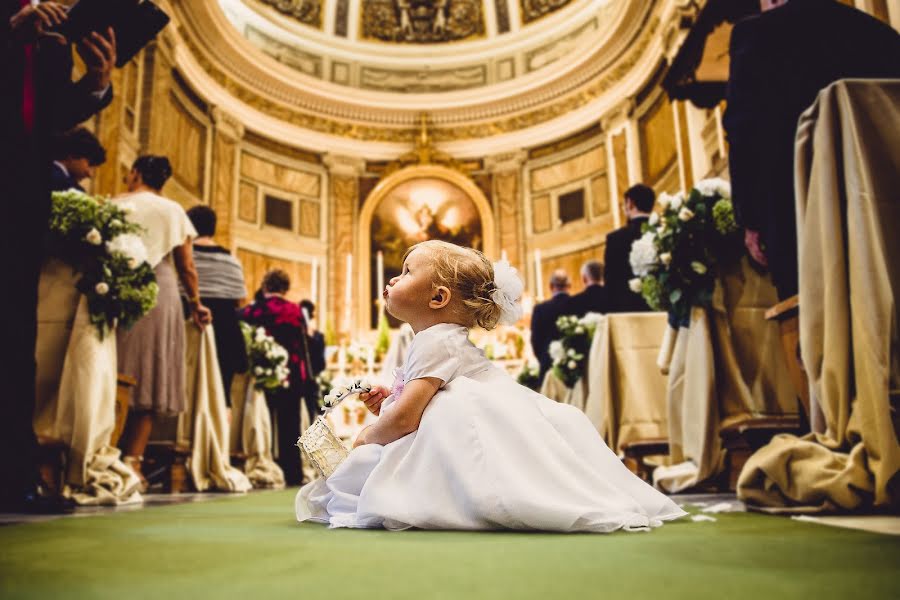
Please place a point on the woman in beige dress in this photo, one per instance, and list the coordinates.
(153, 350)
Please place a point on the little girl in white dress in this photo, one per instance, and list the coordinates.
(458, 443)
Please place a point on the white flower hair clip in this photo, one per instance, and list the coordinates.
(507, 293)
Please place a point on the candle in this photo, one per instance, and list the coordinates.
(503, 255)
(538, 276)
(379, 269)
(314, 283)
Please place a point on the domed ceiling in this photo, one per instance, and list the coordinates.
(356, 76)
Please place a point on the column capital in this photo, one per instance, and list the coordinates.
(618, 116)
(344, 165)
(227, 124)
(509, 161)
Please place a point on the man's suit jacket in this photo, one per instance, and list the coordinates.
(60, 180)
(779, 62)
(543, 327)
(592, 299)
(24, 162)
(618, 268)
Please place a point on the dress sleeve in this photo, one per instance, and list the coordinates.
(430, 356)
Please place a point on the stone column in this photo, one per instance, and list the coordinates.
(343, 176)
(508, 204)
(227, 134)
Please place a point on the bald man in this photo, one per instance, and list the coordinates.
(543, 318)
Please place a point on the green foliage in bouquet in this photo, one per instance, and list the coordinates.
(569, 353)
(683, 248)
(529, 376)
(267, 358)
(383, 342)
(97, 240)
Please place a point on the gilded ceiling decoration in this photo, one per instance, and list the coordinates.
(535, 9)
(307, 12)
(422, 21)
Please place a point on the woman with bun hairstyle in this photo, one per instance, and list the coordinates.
(153, 350)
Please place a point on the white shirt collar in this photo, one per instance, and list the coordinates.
(61, 166)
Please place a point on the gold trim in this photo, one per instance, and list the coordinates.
(383, 188)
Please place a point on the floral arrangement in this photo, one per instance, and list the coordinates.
(569, 353)
(324, 381)
(677, 259)
(96, 239)
(268, 359)
(530, 375)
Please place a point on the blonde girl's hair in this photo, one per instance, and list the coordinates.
(468, 273)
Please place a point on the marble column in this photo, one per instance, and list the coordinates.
(227, 134)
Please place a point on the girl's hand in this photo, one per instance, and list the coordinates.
(361, 438)
(373, 399)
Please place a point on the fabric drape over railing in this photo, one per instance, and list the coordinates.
(847, 177)
(726, 366)
(251, 434)
(76, 391)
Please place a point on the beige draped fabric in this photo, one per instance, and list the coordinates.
(76, 391)
(203, 426)
(847, 174)
(624, 394)
(728, 365)
(252, 434)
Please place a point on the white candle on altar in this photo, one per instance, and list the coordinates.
(314, 283)
(379, 269)
(503, 255)
(538, 276)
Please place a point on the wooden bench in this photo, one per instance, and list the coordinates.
(635, 452)
(124, 386)
(742, 439)
(787, 314)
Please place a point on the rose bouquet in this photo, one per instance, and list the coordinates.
(267, 358)
(529, 376)
(678, 257)
(97, 240)
(569, 353)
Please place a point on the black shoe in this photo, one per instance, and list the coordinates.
(37, 502)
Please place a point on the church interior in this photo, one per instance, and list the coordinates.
(326, 138)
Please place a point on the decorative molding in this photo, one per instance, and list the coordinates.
(533, 10)
(227, 124)
(422, 21)
(308, 12)
(344, 165)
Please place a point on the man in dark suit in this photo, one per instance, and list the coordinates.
(75, 155)
(544, 316)
(780, 60)
(593, 298)
(639, 200)
(39, 99)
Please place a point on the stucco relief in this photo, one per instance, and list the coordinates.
(422, 21)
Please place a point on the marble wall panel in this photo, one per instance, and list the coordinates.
(247, 202)
(309, 218)
(542, 214)
(507, 202)
(599, 195)
(257, 264)
(567, 171)
(291, 180)
(656, 129)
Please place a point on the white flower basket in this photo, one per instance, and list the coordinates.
(322, 447)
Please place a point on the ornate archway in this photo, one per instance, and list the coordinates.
(424, 202)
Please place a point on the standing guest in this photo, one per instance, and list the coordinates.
(639, 200)
(153, 350)
(222, 288)
(593, 298)
(314, 338)
(283, 320)
(780, 60)
(75, 156)
(544, 316)
(39, 99)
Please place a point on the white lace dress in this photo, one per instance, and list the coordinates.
(488, 454)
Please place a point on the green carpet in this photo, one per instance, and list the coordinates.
(251, 548)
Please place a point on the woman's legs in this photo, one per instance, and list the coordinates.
(137, 434)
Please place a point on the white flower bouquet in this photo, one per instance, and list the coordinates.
(97, 240)
(569, 353)
(678, 257)
(267, 358)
